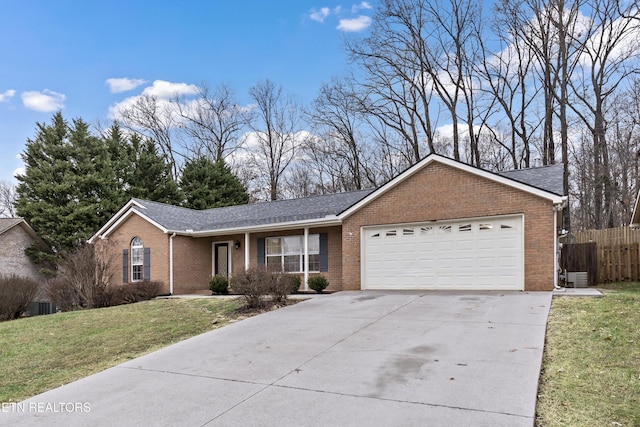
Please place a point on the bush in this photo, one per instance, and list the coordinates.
(283, 285)
(219, 284)
(129, 293)
(253, 284)
(83, 277)
(318, 283)
(16, 295)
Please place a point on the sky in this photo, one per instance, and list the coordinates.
(83, 58)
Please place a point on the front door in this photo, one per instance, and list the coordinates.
(221, 263)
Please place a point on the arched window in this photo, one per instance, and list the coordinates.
(137, 258)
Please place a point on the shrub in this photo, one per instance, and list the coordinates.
(253, 284)
(318, 283)
(219, 284)
(283, 285)
(16, 295)
(294, 282)
(83, 277)
(128, 293)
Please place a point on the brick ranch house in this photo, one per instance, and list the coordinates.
(441, 224)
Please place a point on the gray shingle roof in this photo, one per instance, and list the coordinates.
(173, 218)
(547, 178)
(281, 211)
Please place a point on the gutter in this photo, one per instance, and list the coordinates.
(322, 222)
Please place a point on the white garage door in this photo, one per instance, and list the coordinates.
(481, 253)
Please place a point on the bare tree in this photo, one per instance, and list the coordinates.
(155, 119)
(336, 119)
(212, 122)
(453, 48)
(610, 49)
(397, 88)
(275, 130)
(8, 197)
(507, 74)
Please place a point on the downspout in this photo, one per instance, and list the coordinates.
(171, 263)
(306, 258)
(556, 245)
(247, 251)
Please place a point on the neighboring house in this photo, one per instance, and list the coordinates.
(16, 236)
(441, 224)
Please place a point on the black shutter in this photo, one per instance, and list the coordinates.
(324, 252)
(147, 264)
(261, 251)
(125, 266)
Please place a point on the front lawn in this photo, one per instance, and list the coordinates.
(591, 364)
(40, 353)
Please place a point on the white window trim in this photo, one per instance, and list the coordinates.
(303, 260)
(141, 263)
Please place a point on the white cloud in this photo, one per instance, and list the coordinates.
(123, 84)
(19, 171)
(354, 24)
(319, 15)
(6, 95)
(363, 5)
(45, 102)
(167, 90)
(163, 91)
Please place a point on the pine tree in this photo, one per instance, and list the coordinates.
(141, 172)
(150, 175)
(209, 185)
(68, 189)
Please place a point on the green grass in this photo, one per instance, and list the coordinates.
(591, 364)
(44, 352)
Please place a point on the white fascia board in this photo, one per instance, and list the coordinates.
(431, 158)
(115, 218)
(104, 234)
(327, 221)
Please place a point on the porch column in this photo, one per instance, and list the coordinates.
(247, 252)
(306, 258)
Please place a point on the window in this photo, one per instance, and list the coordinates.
(407, 231)
(391, 233)
(445, 229)
(287, 253)
(484, 227)
(426, 230)
(464, 227)
(137, 258)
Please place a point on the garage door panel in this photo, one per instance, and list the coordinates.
(469, 254)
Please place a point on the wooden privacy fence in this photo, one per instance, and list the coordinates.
(580, 257)
(617, 254)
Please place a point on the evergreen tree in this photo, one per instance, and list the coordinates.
(68, 189)
(209, 185)
(150, 175)
(141, 172)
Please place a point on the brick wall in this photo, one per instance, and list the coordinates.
(13, 259)
(152, 238)
(191, 265)
(440, 192)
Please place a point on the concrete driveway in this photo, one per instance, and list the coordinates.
(347, 359)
